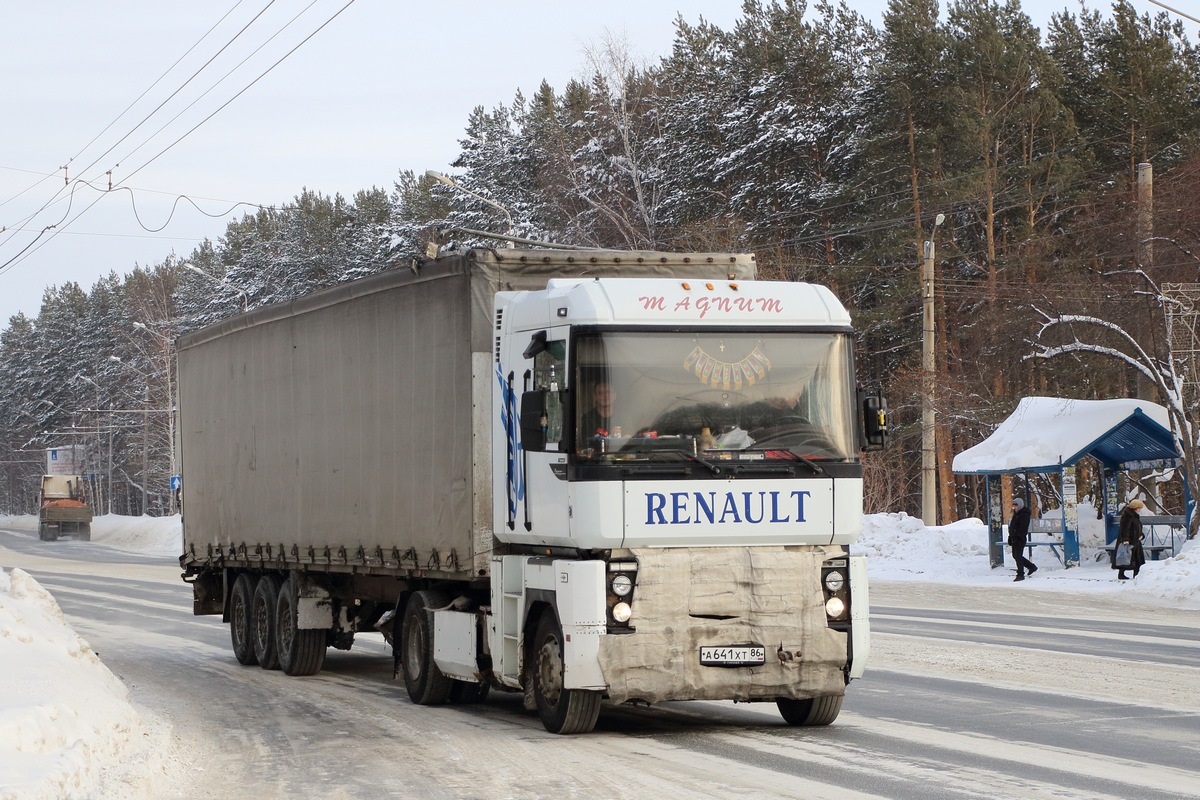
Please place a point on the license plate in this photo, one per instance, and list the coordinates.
(733, 656)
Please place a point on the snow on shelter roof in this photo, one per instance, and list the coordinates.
(1046, 432)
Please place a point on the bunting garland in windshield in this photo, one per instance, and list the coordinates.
(727, 374)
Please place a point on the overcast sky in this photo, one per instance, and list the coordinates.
(384, 86)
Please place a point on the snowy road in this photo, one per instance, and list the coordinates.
(973, 693)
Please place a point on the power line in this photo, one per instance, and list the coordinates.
(182, 86)
(242, 91)
(221, 80)
(59, 192)
(53, 230)
(160, 77)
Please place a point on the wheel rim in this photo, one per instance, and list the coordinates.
(283, 624)
(414, 648)
(262, 623)
(550, 671)
(240, 626)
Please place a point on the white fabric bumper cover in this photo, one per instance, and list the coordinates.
(686, 598)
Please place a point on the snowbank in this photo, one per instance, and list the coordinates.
(67, 727)
(900, 548)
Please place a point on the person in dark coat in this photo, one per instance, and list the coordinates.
(1018, 537)
(1130, 531)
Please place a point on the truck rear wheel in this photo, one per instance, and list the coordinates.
(44, 533)
(301, 651)
(85, 531)
(562, 710)
(241, 601)
(426, 684)
(262, 628)
(810, 711)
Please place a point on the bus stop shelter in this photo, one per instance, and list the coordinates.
(1050, 435)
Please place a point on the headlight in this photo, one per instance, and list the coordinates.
(834, 581)
(835, 607)
(622, 585)
(622, 612)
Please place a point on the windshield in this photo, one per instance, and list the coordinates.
(733, 395)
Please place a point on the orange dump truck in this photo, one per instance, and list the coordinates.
(63, 508)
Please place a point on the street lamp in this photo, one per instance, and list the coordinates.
(221, 282)
(107, 495)
(169, 370)
(145, 431)
(440, 178)
(929, 368)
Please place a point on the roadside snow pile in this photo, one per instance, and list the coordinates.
(153, 536)
(900, 548)
(158, 536)
(65, 719)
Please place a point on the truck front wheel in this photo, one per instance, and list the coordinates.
(562, 710)
(426, 684)
(241, 601)
(810, 711)
(301, 651)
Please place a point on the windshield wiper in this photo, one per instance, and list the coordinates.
(715, 469)
(790, 457)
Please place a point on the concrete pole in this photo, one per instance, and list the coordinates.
(1145, 219)
(928, 376)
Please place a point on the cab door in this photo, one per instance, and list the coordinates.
(540, 513)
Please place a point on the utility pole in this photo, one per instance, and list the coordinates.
(1145, 218)
(928, 376)
(1145, 249)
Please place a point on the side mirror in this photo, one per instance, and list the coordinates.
(537, 344)
(875, 422)
(533, 420)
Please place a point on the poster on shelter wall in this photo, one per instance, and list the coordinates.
(1070, 506)
(995, 522)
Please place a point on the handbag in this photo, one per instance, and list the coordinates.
(1124, 554)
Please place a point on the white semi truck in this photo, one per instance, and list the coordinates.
(582, 475)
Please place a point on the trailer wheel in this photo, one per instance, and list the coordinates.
(262, 621)
(562, 710)
(811, 711)
(241, 601)
(426, 684)
(301, 651)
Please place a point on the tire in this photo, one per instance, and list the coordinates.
(426, 684)
(241, 601)
(811, 711)
(465, 693)
(262, 621)
(301, 651)
(44, 533)
(85, 532)
(563, 711)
